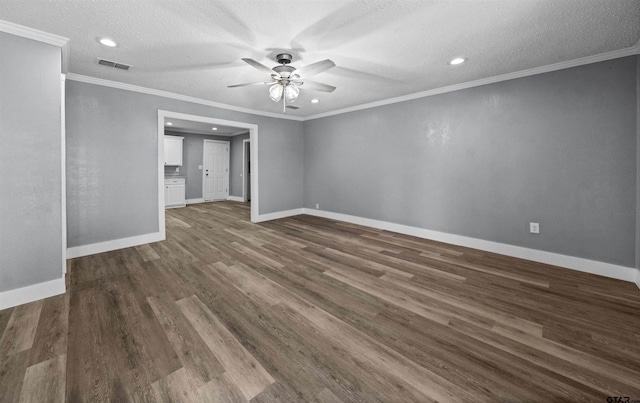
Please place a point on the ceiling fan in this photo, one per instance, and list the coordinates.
(286, 81)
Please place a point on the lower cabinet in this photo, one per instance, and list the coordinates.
(174, 193)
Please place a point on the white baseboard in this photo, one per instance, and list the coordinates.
(195, 201)
(585, 265)
(278, 214)
(235, 198)
(92, 249)
(19, 296)
(638, 277)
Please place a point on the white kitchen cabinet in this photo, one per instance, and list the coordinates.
(174, 192)
(173, 150)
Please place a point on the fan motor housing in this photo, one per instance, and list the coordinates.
(284, 58)
(282, 69)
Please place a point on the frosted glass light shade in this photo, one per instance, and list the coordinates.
(291, 92)
(275, 92)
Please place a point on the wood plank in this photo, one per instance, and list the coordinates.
(5, 315)
(199, 362)
(389, 295)
(21, 328)
(175, 387)
(45, 381)
(12, 369)
(51, 335)
(491, 314)
(247, 373)
(221, 389)
(94, 369)
(326, 396)
(147, 253)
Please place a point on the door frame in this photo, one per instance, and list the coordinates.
(204, 154)
(253, 135)
(245, 144)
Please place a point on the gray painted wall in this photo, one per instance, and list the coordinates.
(559, 149)
(235, 175)
(31, 180)
(112, 145)
(192, 157)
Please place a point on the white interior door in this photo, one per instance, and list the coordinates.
(216, 170)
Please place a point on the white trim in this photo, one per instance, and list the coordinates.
(255, 188)
(172, 95)
(278, 214)
(204, 169)
(253, 135)
(19, 296)
(31, 33)
(161, 205)
(40, 36)
(556, 259)
(107, 246)
(633, 50)
(63, 173)
(235, 198)
(245, 143)
(194, 201)
(65, 58)
(638, 277)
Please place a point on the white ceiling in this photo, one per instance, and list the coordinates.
(189, 126)
(382, 48)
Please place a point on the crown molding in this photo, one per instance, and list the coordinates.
(40, 36)
(633, 50)
(166, 94)
(31, 33)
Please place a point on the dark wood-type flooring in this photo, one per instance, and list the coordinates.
(309, 309)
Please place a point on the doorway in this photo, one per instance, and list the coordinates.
(215, 173)
(253, 137)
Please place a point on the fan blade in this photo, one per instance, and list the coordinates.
(314, 68)
(257, 83)
(315, 86)
(258, 66)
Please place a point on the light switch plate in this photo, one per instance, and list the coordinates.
(534, 227)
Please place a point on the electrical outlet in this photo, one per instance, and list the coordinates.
(534, 227)
(317, 206)
(177, 169)
(200, 167)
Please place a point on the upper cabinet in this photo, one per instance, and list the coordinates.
(173, 150)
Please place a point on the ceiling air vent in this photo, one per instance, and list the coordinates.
(292, 107)
(116, 65)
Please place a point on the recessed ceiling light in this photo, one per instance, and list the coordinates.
(315, 101)
(457, 60)
(108, 42)
(214, 128)
(169, 124)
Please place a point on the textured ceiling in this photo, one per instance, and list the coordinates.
(188, 126)
(382, 48)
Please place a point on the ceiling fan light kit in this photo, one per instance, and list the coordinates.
(286, 80)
